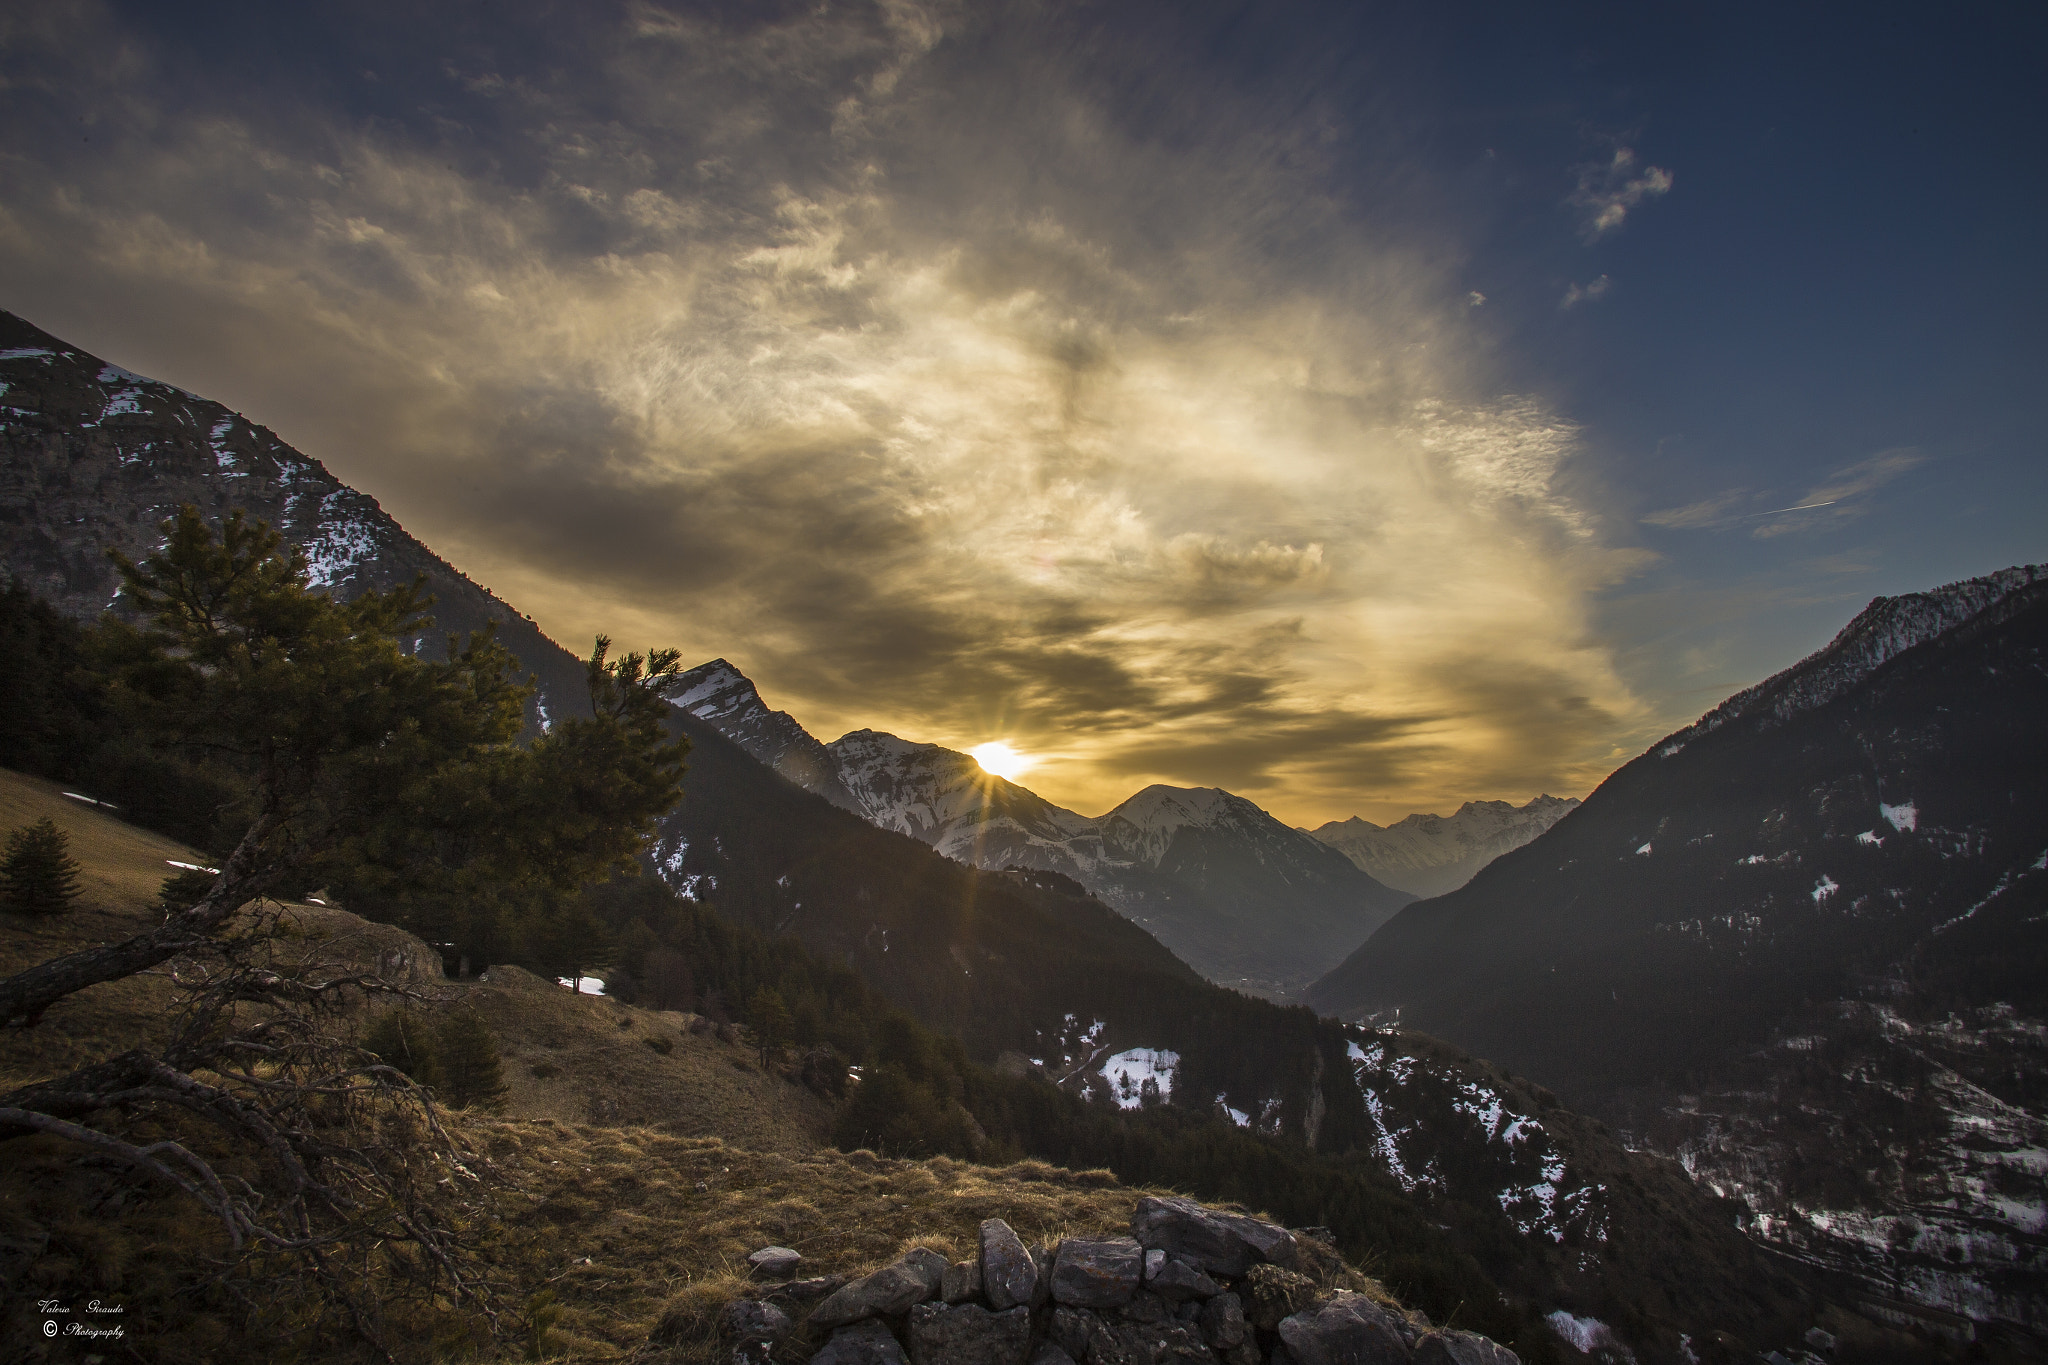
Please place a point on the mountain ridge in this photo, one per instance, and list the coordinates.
(1428, 855)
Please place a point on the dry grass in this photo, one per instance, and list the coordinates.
(630, 1182)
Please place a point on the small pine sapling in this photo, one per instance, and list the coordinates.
(39, 876)
(401, 1039)
(469, 1061)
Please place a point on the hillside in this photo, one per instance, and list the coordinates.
(1800, 945)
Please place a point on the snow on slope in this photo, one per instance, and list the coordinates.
(1882, 631)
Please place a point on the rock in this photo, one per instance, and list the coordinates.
(1155, 1261)
(809, 1291)
(1098, 1340)
(968, 1335)
(1323, 1235)
(1190, 1312)
(1177, 1281)
(1096, 1272)
(1041, 1264)
(1049, 1354)
(1008, 1274)
(1227, 1244)
(864, 1343)
(1349, 1329)
(749, 1320)
(1147, 1307)
(961, 1282)
(910, 1279)
(753, 1353)
(1223, 1324)
(1074, 1331)
(1446, 1347)
(774, 1263)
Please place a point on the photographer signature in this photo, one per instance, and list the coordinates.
(52, 1309)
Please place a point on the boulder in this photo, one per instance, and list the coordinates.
(864, 1343)
(1041, 1263)
(1047, 1353)
(961, 1282)
(968, 1335)
(1099, 1340)
(1446, 1347)
(1096, 1272)
(774, 1263)
(747, 1320)
(910, 1279)
(809, 1291)
(1270, 1294)
(1227, 1244)
(1348, 1329)
(1147, 1307)
(1008, 1275)
(1177, 1282)
(1223, 1324)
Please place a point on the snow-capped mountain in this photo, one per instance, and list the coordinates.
(1802, 946)
(1427, 855)
(1241, 897)
(727, 700)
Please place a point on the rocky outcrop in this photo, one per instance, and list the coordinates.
(1191, 1285)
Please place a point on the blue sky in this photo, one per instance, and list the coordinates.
(1364, 408)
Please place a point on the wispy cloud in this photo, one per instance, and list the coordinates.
(920, 377)
(1845, 496)
(1590, 292)
(1608, 191)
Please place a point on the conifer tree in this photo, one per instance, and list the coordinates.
(469, 1063)
(770, 1018)
(402, 1039)
(39, 875)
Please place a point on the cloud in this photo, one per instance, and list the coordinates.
(1714, 511)
(1590, 292)
(1607, 191)
(898, 353)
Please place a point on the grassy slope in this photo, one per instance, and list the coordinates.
(638, 1223)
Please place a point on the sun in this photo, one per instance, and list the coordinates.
(998, 758)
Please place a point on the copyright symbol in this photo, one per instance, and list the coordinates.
(49, 1327)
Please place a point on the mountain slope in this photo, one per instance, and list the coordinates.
(1237, 894)
(1428, 855)
(1801, 944)
(1244, 899)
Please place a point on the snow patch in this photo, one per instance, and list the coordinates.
(586, 985)
(1128, 1072)
(1237, 1116)
(1643, 852)
(1670, 750)
(1586, 1335)
(1869, 836)
(1903, 818)
(1825, 887)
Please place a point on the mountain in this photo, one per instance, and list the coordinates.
(1017, 965)
(1244, 899)
(1428, 855)
(1801, 945)
(726, 699)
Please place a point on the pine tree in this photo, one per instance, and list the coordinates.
(469, 1059)
(39, 875)
(402, 1039)
(773, 1027)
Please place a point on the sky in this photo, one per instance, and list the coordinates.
(1361, 407)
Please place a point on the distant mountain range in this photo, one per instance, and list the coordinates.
(1428, 855)
(1802, 945)
(1246, 900)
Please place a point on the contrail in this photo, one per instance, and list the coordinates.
(1802, 507)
